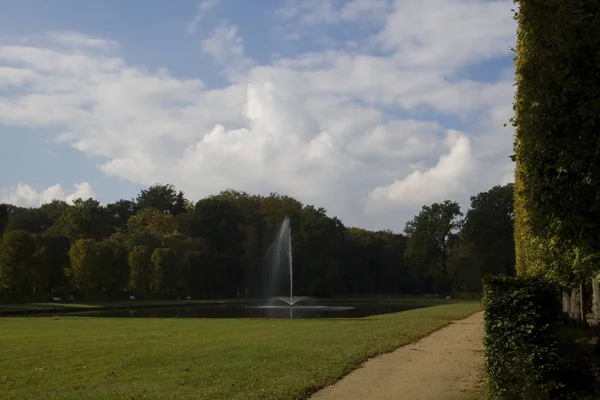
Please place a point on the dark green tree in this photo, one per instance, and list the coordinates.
(489, 226)
(85, 265)
(140, 268)
(52, 259)
(114, 270)
(220, 222)
(32, 220)
(120, 212)
(165, 269)
(54, 210)
(163, 198)
(3, 218)
(85, 219)
(430, 236)
(18, 269)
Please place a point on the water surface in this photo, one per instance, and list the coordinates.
(253, 310)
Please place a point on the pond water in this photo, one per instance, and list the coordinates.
(331, 310)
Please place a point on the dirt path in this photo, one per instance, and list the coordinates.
(445, 365)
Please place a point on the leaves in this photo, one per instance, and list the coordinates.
(430, 235)
(557, 143)
(521, 343)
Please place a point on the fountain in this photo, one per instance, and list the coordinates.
(284, 243)
(283, 303)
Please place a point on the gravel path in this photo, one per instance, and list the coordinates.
(445, 365)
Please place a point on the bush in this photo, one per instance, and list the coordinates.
(521, 342)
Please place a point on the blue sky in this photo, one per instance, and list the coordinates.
(370, 108)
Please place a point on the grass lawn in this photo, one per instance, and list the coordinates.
(110, 358)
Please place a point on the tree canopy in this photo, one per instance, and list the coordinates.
(222, 246)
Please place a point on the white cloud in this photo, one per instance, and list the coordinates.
(26, 196)
(448, 178)
(227, 49)
(79, 40)
(313, 12)
(204, 6)
(349, 131)
(444, 34)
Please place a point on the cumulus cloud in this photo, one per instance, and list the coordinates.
(25, 196)
(79, 40)
(227, 49)
(350, 131)
(446, 179)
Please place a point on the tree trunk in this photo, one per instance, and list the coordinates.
(572, 304)
(596, 301)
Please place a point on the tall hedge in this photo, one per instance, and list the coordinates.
(521, 344)
(557, 143)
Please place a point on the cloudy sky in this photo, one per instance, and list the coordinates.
(369, 108)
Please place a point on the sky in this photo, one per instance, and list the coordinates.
(368, 108)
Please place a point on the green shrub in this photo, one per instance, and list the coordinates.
(521, 343)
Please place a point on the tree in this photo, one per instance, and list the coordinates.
(220, 222)
(430, 235)
(317, 249)
(557, 114)
(3, 218)
(17, 265)
(152, 221)
(140, 268)
(32, 220)
(54, 210)
(114, 265)
(194, 273)
(85, 260)
(165, 269)
(163, 198)
(149, 227)
(84, 219)
(52, 259)
(120, 212)
(487, 236)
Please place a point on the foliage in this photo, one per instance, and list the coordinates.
(120, 212)
(521, 343)
(485, 244)
(54, 210)
(32, 220)
(52, 258)
(114, 260)
(84, 272)
(430, 236)
(223, 247)
(163, 198)
(557, 114)
(139, 261)
(17, 267)
(151, 223)
(165, 269)
(84, 219)
(3, 218)
(220, 222)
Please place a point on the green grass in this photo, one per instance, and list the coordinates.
(110, 358)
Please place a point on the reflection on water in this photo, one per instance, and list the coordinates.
(339, 310)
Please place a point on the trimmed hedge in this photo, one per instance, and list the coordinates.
(557, 145)
(521, 343)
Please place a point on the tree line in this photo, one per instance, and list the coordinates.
(222, 246)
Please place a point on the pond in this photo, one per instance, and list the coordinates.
(253, 310)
